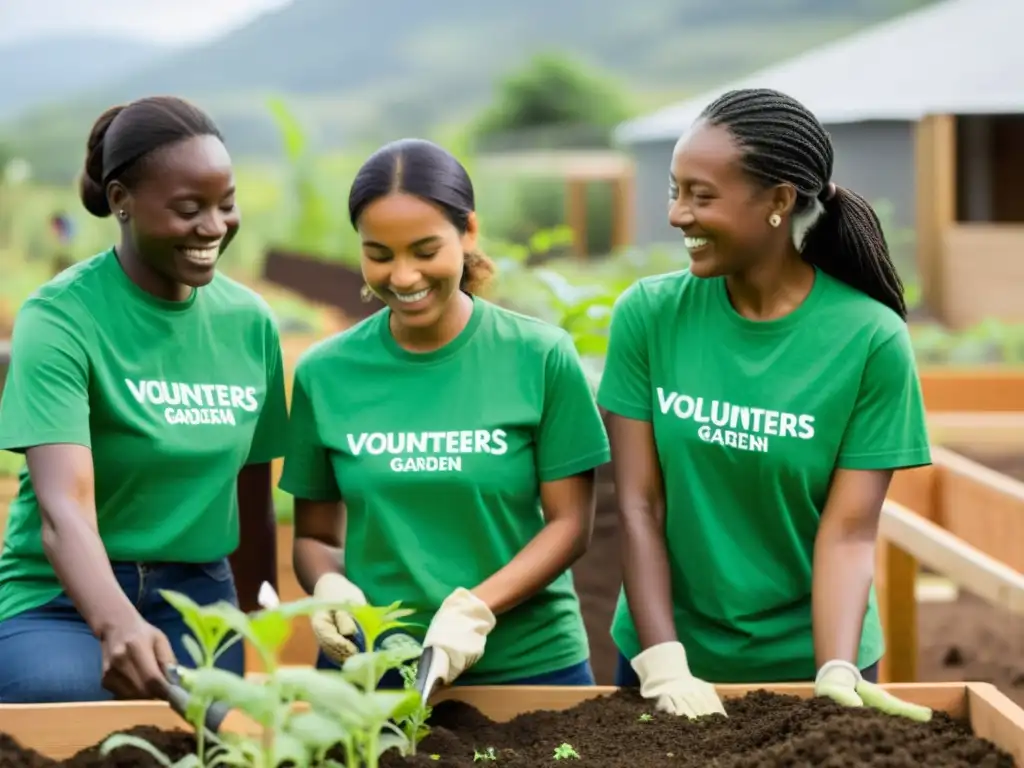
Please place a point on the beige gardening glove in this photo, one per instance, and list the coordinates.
(665, 677)
(841, 681)
(459, 630)
(334, 628)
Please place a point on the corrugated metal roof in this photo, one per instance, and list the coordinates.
(956, 57)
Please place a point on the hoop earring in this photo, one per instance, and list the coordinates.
(366, 294)
(775, 219)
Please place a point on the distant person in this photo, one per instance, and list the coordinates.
(759, 402)
(146, 391)
(443, 450)
(62, 228)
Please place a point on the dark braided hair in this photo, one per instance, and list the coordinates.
(782, 142)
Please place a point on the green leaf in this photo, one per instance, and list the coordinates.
(392, 740)
(213, 684)
(120, 740)
(317, 729)
(292, 135)
(327, 690)
(391, 705)
(194, 650)
(288, 749)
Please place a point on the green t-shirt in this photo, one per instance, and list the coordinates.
(439, 458)
(750, 420)
(173, 399)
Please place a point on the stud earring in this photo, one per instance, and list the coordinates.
(365, 294)
(122, 215)
(775, 219)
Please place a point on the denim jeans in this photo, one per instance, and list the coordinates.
(625, 677)
(49, 654)
(576, 674)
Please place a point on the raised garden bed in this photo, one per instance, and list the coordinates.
(966, 637)
(964, 621)
(767, 726)
(973, 389)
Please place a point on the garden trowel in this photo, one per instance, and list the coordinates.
(431, 671)
(217, 712)
(179, 698)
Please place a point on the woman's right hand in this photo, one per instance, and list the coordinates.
(666, 679)
(135, 655)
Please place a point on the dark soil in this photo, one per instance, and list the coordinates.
(763, 730)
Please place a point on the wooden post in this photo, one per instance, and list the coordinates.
(576, 214)
(935, 159)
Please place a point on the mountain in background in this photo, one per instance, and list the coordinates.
(358, 71)
(44, 71)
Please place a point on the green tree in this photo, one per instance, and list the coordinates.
(553, 101)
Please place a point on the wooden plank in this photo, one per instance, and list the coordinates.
(83, 725)
(942, 551)
(995, 717)
(981, 506)
(982, 389)
(986, 432)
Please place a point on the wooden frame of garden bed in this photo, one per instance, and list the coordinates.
(959, 518)
(60, 730)
(972, 390)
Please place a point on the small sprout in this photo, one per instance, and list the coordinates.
(645, 718)
(565, 752)
(435, 757)
(488, 754)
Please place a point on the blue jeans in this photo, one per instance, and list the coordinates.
(49, 654)
(625, 677)
(577, 674)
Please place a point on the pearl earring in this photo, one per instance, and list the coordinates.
(775, 219)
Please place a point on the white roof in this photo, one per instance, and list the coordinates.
(954, 57)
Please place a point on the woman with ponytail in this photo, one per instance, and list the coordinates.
(443, 450)
(759, 403)
(147, 394)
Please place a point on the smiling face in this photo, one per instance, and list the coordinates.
(721, 211)
(182, 210)
(413, 257)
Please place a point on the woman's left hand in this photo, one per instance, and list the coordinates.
(841, 681)
(459, 629)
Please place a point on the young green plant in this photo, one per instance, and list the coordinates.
(337, 708)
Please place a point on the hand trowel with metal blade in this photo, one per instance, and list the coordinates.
(217, 712)
(431, 672)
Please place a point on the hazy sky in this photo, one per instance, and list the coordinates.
(166, 21)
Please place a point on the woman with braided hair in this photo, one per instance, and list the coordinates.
(759, 403)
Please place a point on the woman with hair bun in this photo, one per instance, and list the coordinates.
(146, 392)
(450, 444)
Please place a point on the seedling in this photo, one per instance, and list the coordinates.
(645, 718)
(566, 752)
(343, 707)
(487, 754)
(414, 726)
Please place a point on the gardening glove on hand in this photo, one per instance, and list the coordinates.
(841, 681)
(334, 628)
(665, 677)
(459, 629)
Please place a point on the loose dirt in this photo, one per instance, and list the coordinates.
(763, 730)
